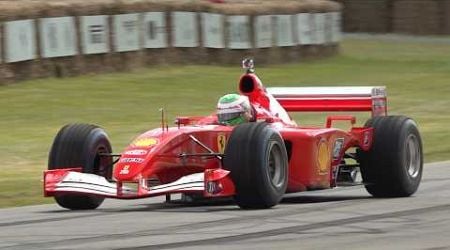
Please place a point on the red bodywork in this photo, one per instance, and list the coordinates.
(175, 159)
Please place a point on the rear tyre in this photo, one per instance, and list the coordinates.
(80, 145)
(257, 159)
(393, 166)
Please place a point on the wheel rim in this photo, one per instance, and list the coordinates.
(275, 168)
(413, 156)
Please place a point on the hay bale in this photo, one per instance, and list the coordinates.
(17, 10)
(285, 54)
(93, 63)
(417, 17)
(367, 15)
(113, 61)
(185, 55)
(253, 9)
(56, 66)
(128, 60)
(10, 72)
(156, 56)
(420, 17)
(6, 75)
(445, 16)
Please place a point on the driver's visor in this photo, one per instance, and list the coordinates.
(228, 116)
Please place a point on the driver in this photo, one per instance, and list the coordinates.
(234, 109)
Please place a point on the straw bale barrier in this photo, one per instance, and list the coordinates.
(70, 55)
(366, 15)
(417, 17)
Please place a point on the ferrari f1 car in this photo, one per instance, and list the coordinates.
(254, 163)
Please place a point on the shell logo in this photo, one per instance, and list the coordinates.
(323, 158)
(145, 142)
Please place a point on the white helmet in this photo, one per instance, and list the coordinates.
(233, 109)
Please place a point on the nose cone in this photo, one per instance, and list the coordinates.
(135, 157)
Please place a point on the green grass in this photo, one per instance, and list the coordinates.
(417, 77)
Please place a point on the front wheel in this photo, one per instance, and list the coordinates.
(393, 166)
(81, 145)
(257, 159)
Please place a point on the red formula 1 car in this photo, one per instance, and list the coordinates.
(256, 163)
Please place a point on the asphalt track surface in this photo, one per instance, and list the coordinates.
(339, 218)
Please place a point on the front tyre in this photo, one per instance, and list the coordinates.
(257, 159)
(393, 166)
(80, 145)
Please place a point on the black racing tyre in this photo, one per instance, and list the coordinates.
(393, 166)
(79, 145)
(256, 157)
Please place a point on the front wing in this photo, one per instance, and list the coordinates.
(212, 183)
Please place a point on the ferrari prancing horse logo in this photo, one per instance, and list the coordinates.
(221, 143)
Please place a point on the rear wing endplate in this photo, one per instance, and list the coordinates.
(315, 99)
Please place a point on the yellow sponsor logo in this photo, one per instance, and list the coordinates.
(145, 142)
(323, 158)
(221, 143)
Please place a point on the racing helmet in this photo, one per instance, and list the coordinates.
(233, 109)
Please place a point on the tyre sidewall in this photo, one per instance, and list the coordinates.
(408, 182)
(96, 142)
(385, 166)
(246, 156)
(273, 194)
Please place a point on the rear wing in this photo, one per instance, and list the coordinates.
(315, 99)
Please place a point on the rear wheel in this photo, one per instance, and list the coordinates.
(80, 145)
(393, 166)
(257, 159)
